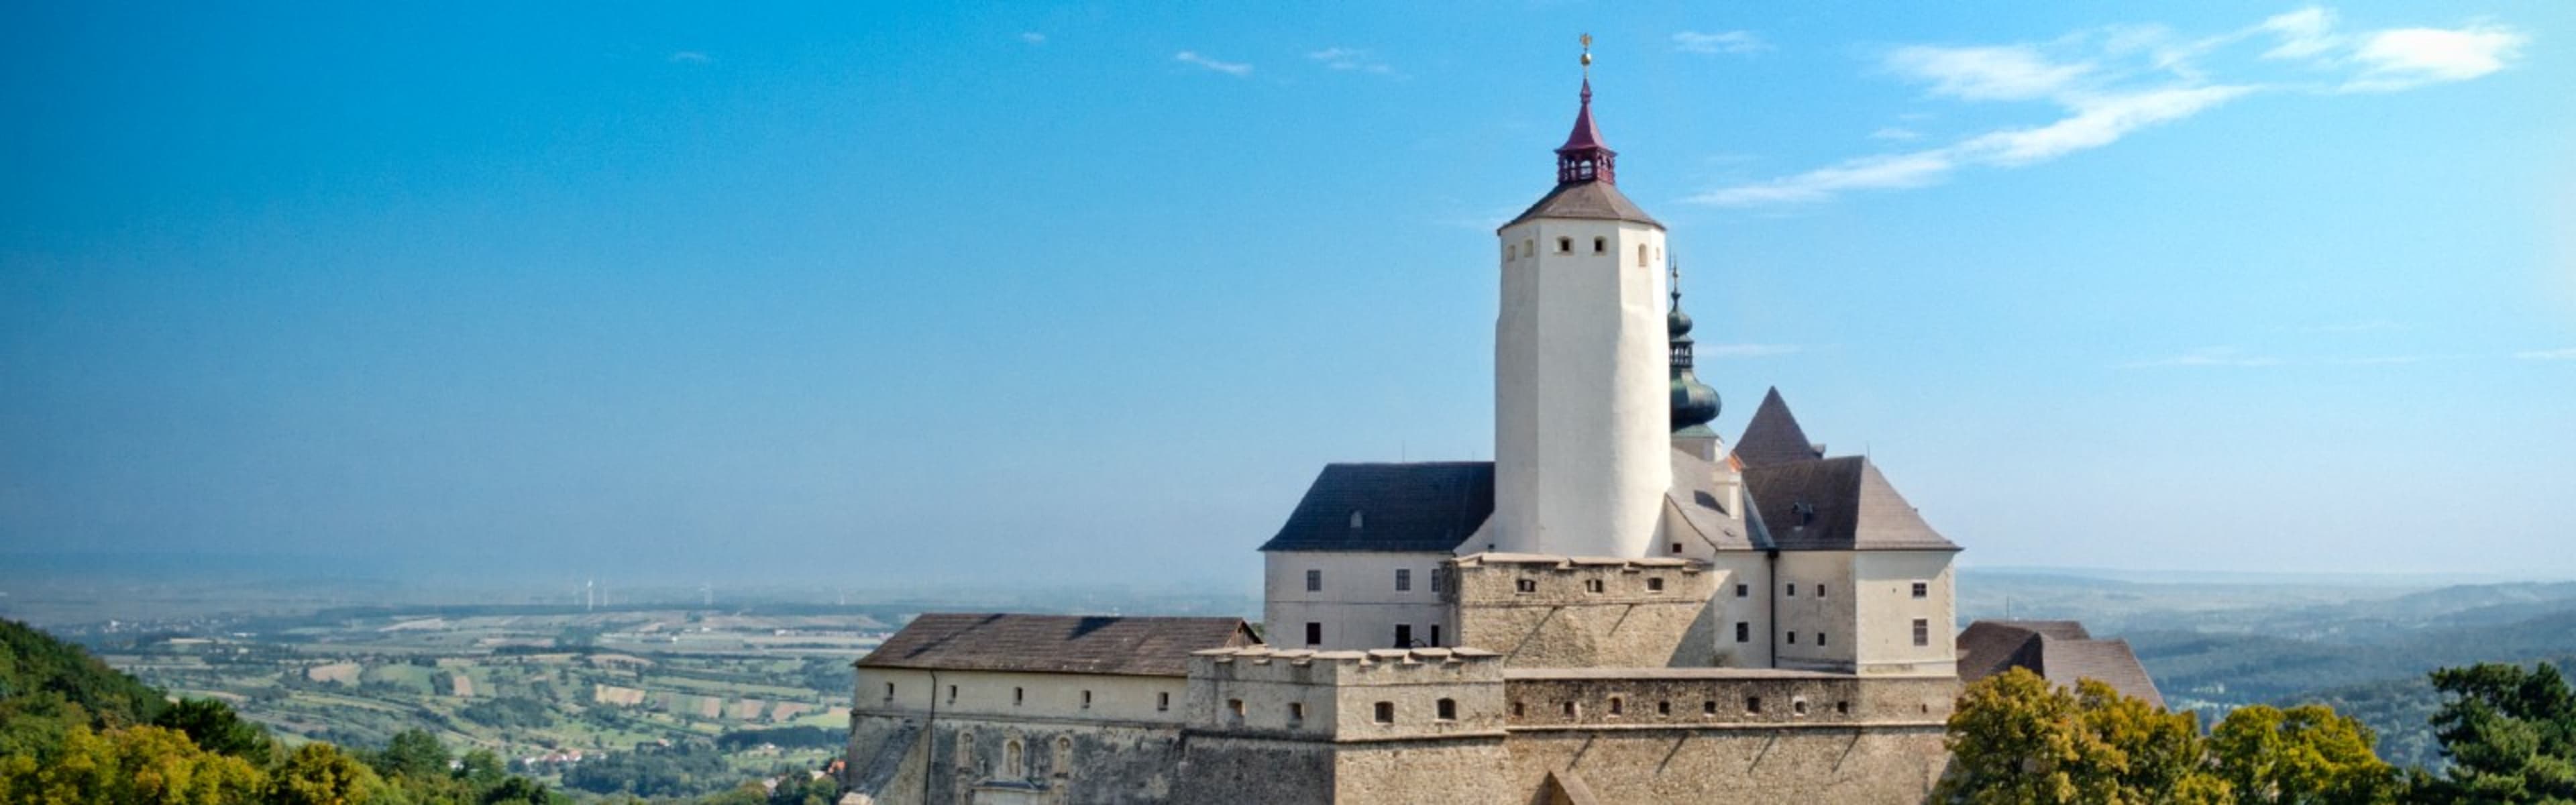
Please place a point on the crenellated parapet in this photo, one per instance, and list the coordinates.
(1346, 696)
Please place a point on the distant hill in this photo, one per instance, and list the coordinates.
(37, 670)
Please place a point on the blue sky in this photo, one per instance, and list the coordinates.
(1008, 292)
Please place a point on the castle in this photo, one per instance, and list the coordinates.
(1618, 608)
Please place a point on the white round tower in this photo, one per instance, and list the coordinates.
(1582, 419)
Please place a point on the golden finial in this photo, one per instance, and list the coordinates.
(1587, 53)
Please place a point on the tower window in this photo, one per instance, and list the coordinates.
(1529, 247)
(1922, 632)
(1448, 710)
(1314, 633)
(1403, 580)
(1564, 245)
(1641, 255)
(1314, 581)
(1922, 590)
(1385, 712)
(1600, 245)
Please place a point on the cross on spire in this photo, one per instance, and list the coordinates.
(1584, 158)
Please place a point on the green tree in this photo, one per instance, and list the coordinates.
(2018, 739)
(133, 765)
(2306, 755)
(2510, 733)
(321, 774)
(214, 727)
(413, 753)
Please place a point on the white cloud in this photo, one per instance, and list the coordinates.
(1342, 58)
(1228, 68)
(2567, 354)
(2211, 356)
(1033, 37)
(1737, 42)
(2305, 33)
(691, 57)
(2098, 121)
(2112, 81)
(2010, 73)
(2412, 57)
(1867, 173)
(1745, 350)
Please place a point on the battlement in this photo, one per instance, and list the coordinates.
(1703, 698)
(1525, 579)
(1343, 696)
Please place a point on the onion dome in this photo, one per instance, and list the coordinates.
(1694, 403)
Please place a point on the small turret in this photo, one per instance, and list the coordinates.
(1694, 403)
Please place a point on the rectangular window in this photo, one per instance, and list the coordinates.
(1314, 581)
(1314, 633)
(952, 694)
(1385, 712)
(1446, 710)
(1922, 632)
(1922, 589)
(1404, 635)
(1820, 590)
(1086, 700)
(1019, 695)
(1820, 638)
(1708, 708)
(1525, 585)
(1793, 589)
(1234, 710)
(1677, 547)
(889, 691)
(1162, 702)
(1743, 632)
(1591, 585)
(1752, 704)
(1296, 712)
(1435, 635)
(1654, 585)
(1793, 638)
(1403, 580)
(1743, 590)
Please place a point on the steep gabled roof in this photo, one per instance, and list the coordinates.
(1056, 644)
(1423, 507)
(1837, 504)
(1696, 498)
(1594, 200)
(2058, 651)
(1773, 435)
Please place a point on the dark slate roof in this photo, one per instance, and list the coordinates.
(1600, 200)
(1423, 506)
(1773, 436)
(1696, 496)
(2059, 651)
(1837, 504)
(1056, 644)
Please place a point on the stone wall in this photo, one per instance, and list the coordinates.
(1751, 765)
(1562, 612)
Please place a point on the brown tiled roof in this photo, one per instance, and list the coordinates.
(1836, 504)
(1599, 200)
(1058, 644)
(2059, 651)
(1773, 435)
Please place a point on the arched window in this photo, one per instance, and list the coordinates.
(1013, 765)
(1641, 255)
(1529, 247)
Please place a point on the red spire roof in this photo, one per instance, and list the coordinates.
(1584, 158)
